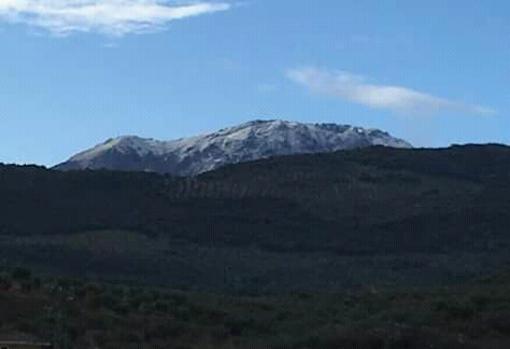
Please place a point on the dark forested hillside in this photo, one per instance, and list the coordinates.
(444, 212)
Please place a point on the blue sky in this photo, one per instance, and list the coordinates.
(76, 72)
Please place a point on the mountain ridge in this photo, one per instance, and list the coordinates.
(249, 141)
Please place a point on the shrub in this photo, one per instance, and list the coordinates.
(21, 274)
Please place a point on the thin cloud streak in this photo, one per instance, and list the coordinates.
(401, 100)
(110, 17)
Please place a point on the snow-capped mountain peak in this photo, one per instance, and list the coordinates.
(248, 141)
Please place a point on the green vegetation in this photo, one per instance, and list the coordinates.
(373, 248)
(78, 314)
(323, 221)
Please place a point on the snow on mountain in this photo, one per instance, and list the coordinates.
(249, 141)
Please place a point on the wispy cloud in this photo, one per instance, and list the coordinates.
(111, 17)
(397, 99)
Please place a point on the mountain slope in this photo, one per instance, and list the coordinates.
(322, 221)
(250, 141)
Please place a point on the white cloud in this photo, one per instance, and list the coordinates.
(111, 17)
(398, 99)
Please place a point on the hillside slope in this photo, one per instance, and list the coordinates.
(319, 220)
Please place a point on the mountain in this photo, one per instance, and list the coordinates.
(374, 215)
(249, 141)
